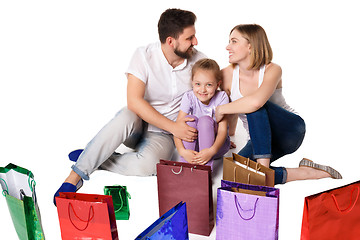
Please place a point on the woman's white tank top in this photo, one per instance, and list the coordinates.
(276, 98)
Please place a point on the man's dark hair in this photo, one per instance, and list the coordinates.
(173, 21)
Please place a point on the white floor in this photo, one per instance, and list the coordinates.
(144, 200)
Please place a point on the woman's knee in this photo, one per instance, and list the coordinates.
(296, 138)
(260, 114)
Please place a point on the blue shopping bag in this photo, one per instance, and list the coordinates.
(170, 226)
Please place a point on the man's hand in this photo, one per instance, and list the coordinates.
(183, 131)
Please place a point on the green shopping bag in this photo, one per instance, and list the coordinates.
(19, 190)
(120, 198)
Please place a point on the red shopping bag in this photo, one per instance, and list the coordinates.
(179, 181)
(86, 216)
(332, 214)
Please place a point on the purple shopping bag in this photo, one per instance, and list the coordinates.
(247, 211)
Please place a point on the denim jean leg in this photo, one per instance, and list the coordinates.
(247, 151)
(287, 130)
(280, 175)
(260, 133)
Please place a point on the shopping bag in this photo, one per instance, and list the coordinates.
(189, 183)
(170, 226)
(86, 216)
(244, 170)
(247, 211)
(18, 186)
(120, 198)
(332, 214)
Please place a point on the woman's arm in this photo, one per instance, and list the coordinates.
(227, 79)
(253, 102)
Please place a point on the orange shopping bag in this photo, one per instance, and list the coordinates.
(86, 216)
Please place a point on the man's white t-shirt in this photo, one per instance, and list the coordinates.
(165, 85)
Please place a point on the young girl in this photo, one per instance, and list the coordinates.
(254, 85)
(199, 104)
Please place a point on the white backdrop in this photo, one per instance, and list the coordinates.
(62, 78)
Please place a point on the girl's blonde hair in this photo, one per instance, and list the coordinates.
(260, 52)
(209, 65)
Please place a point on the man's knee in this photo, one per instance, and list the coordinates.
(129, 116)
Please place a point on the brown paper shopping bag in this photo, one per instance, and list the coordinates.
(243, 170)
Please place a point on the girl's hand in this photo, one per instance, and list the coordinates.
(204, 156)
(189, 155)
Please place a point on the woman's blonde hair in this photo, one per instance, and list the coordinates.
(209, 65)
(260, 52)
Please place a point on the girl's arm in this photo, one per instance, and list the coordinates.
(232, 119)
(253, 102)
(187, 154)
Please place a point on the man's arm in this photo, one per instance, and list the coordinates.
(142, 108)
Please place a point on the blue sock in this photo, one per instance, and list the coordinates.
(65, 187)
(74, 155)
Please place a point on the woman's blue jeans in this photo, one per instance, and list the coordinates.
(274, 132)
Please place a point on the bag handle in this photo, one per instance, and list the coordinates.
(257, 167)
(91, 209)
(351, 205)
(32, 185)
(248, 181)
(181, 168)
(237, 204)
(4, 192)
(127, 195)
(177, 173)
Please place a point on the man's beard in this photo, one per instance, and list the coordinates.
(186, 55)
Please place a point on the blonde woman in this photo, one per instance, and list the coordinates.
(254, 85)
